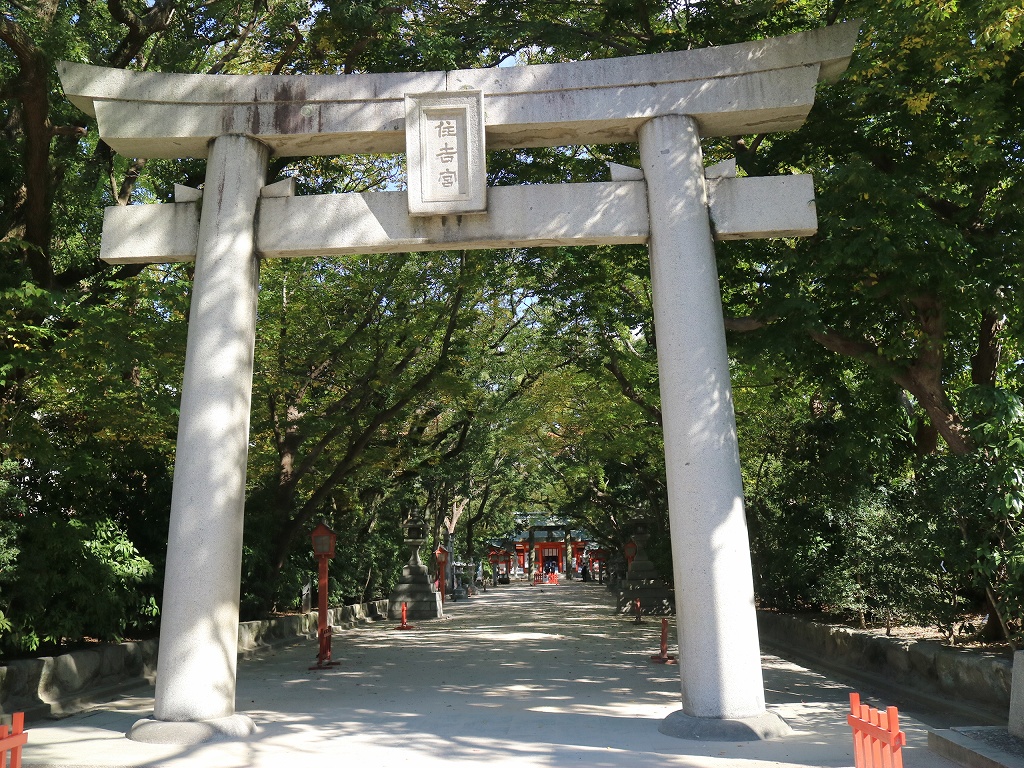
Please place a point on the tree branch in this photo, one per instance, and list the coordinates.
(985, 360)
(922, 378)
(232, 52)
(33, 94)
(140, 28)
(612, 366)
(744, 324)
(289, 50)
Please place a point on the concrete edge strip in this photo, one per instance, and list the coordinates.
(969, 752)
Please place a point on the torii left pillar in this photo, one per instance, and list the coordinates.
(195, 685)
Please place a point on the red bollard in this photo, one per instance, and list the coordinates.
(663, 657)
(405, 614)
(637, 611)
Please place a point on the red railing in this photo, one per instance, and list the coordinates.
(877, 738)
(14, 742)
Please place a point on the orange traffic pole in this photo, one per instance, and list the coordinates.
(405, 615)
(663, 657)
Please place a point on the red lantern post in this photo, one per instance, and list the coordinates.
(441, 554)
(323, 547)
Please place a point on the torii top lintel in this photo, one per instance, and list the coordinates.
(755, 87)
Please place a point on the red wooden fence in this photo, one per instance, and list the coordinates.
(14, 742)
(877, 738)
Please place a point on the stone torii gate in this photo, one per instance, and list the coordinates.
(445, 121)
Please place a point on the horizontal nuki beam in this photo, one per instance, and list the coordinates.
(755, 87)
(527, 216)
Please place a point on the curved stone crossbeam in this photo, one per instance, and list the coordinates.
(755, 87)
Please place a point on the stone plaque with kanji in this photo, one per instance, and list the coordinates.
(444, 140)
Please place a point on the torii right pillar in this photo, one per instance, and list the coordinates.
(719, 655)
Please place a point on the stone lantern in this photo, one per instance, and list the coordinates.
(414, 588)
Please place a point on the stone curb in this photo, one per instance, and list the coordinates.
(52, 686)
(968, 747)
(923, 665)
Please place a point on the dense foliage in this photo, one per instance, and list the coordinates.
(877, 366)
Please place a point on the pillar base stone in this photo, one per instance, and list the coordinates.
(763, 727)
(186, 732)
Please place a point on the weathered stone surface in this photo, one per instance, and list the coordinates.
(755, 87)
(73, 671)
(283, 188)
(1016, 719)
(978, 746)
(140, 658)
(602, 213)
(415, 590)
(624, 172)
(150, 651)
(199, 614)
(46, 683)
(112, 660)
(765, 726)
(946, 671)
(445, 153)
(922, 658)
(897, 658)
(186, 732)
(183, 194)
(748, 207)
(378, 222)
(21, 683)
(719, 657)
(656, 599)
(137, 232)
(249, 633)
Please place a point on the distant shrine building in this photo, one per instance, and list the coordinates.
(555, 547)
(445, 123)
